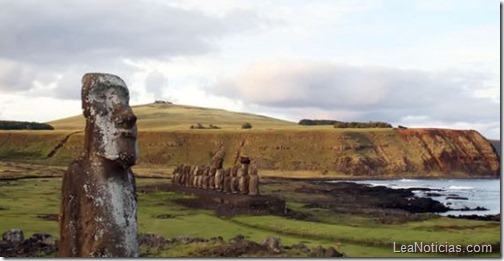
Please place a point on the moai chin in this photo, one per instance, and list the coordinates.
(98, 215)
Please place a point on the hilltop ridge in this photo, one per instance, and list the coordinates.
(167, 116)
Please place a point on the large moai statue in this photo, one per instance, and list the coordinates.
(243, 177)
(211, 179)
(205, 178)
(180, 175)
(234, 179)
(227, 181)
(253, 181)
(217, 164)
(98, 215)
(175, 176)
(219, 179)
(184, 177)
(194, 176)
(218, 159)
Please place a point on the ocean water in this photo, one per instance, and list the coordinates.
(479, 192)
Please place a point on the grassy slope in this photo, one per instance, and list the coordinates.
(167, 117)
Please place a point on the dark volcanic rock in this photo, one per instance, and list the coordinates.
(14, 244)
(331, 252)
(349, 193)
(152, 241)
(457, 197)
(14, 235)
(496, 217)
(472, 209)
(273, 244)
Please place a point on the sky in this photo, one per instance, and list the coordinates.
(425, 63)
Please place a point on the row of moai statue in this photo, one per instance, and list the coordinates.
(241, 179)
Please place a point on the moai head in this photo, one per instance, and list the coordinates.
(111, 131)
(218, 159)
(244, 160)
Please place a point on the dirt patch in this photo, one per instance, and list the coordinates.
(48, 217)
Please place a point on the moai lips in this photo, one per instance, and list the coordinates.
(98, 215)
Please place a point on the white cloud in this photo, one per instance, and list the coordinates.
(345, 59)
(44, 42)
(39, 109)
(371, 93)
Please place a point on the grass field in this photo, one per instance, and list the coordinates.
(22, 202)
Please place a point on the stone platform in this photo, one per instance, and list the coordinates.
(223, 204)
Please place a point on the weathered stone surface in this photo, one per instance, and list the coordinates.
(14, 244)
(13, 235)
(98, 215)
(273, 244)
(211, 179)
(218, 159)
(244, 160)
(331, 252)
(227, 181)
(195, 177)
(317, 251)
(205, 179)
(219, 179)
(234, 180)
(243, 179)
(253, 181)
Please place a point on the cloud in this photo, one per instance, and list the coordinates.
(366, 92)
(155, 82)
(15, 74)
(54, 38)
(99, 30)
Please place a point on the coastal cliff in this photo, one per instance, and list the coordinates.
(380, 153)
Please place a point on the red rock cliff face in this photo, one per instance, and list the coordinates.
(451, 151)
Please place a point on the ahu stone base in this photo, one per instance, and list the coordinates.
(224, 204)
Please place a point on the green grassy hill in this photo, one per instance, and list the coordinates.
(166, 117)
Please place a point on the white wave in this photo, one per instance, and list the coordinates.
(460, 187)
(408, 180)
